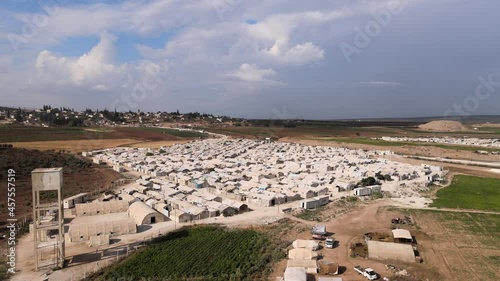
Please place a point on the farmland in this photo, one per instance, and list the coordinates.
(468, 243)
(356, 130)
(76, 139)
(79, 176)
(173, 132)
(303, 131)
(200, 253)
(468, 192)
(13, 133)
(26, 133)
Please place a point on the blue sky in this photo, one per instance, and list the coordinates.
(258, 59)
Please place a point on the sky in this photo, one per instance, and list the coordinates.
(278, 59)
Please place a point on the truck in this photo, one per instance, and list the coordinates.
(368, 273)
(330, 242)
(318, 231)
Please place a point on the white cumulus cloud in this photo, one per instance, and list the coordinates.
(252, 73)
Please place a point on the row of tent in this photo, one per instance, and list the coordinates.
(302, 260)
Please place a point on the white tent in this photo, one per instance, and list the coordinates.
(307, 244)
(390, 251)
(310, 265)
(295, 274)
(302, 254)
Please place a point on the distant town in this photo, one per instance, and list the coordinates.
(47, 116)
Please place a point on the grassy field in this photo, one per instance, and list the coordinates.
(173, 132)
(468, 242)
(27, 133)
(200, 253)
(468, 192)
(301, 131)
(18, 133)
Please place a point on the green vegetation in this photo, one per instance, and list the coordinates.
(173, 132)
(377, 195)
(351, 199)
(23, 161)
(381, 177)
(200, 253)
(367, 181)
(18, 133)
(278, 128)
(469, 192)
(14, 133)
(490, 130)
(312, 215)
(474, 234)
(478, 229)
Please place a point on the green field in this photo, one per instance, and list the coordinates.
(469, 242)
(27, 133)
(200, 253)
(18, 133)
(483, 228)
(468, 192)
(173, 132)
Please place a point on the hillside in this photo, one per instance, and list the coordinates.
(79, 176)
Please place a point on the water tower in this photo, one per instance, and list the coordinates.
(48, 217)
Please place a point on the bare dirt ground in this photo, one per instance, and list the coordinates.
(446, 254)
(75, 145)
(350, 227)
(443, 126)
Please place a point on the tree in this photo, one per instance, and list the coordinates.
(379, 176)
(368, 181)
(19, 116)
